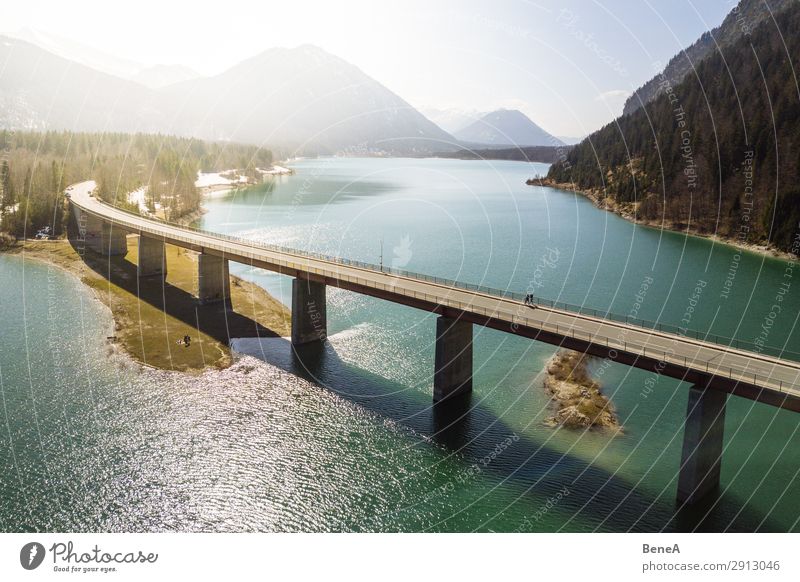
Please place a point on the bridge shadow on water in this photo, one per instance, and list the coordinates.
(464, 427)
(472, 432)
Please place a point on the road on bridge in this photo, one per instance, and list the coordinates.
(753, 375)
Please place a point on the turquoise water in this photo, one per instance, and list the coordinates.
(347, 439)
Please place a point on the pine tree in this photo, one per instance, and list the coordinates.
(9, 198)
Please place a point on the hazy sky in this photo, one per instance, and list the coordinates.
(568, 64)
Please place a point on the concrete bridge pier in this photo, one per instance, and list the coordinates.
(452, 375)
(702, 444)
(213, 279)
(101, 236)
(309, 312)
(152, 257)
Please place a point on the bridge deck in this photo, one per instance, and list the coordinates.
(760, 377)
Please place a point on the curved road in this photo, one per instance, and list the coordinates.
(760, 377)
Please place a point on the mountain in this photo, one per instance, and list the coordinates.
(79, 52)
(743, 18)
(452, 120)
(506, 127)
(159, 76)
(39, 90)
(303, 98)
(153, 77)
(716, 155)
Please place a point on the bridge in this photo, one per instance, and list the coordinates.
(714, 368)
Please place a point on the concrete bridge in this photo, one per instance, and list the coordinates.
(714, 369)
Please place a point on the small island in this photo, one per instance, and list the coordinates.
(577, 396)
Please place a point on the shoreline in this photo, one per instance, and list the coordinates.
(627, 212)
(150, 319)
(194, 216)
(229, 184)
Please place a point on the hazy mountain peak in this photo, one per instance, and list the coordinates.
(452, 119)
(86, 99)
(300, 98)
(79, 52)
(506, 127)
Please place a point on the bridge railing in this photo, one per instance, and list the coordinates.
(623, 343)
(736, 343)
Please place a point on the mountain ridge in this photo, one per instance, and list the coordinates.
(506, 127)
(58, 93)
(314, 83)
(744, 17)
(301, 99)
(703, 157)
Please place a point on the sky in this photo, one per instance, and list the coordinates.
(567, 64)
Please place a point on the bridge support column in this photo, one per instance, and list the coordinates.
(452, 373)
(115, 240)
(152, 257)
(91, 229)
(213, 279)
(103, 237)
(702, 444)
(309, 312)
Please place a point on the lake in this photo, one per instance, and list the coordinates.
(348, 439)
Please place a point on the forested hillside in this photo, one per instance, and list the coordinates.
(744, 16)
(717, 153)
(35, 168)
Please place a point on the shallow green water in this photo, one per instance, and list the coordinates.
(347, 440)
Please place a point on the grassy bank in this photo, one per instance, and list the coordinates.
(152, 316)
